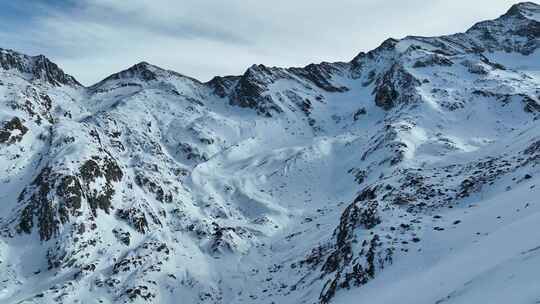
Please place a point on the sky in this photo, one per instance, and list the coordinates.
(91, 39)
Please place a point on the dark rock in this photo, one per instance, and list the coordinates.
(396, 86)
(320, 75)
(39, 67)
(122, 236)
(12, 131)
(357, 114)
(135, 217)
(432, 60)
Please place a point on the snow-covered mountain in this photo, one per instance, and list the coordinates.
(407, 175)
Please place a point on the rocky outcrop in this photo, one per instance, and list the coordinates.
(321, 75)
(494, 35)
(39, 67)
(222, 86)
(12, 131)
(55, 197)
(252, 88)
(396, 87)
(347, 265)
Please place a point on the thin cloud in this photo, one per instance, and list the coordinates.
(201, 38)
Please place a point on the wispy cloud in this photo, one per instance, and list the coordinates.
(93, 38)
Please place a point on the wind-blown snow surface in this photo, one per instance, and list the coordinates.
(408, 174)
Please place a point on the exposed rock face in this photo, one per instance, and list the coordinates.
(362, 214)
(518, 21)
(135, 218)
(12, 131)
(53, 198)
(251, 90)
(222, 86)
(321, 75)
(142, 71)
(48, 217)
(433, 60)
(106, 169)
(395, 87)
(39, 67)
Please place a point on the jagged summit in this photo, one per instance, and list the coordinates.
(36, 68)
(143, 71)
(518, 16)
(517, 30)
(529, 10)
(140, 74)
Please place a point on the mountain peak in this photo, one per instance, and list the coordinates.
(145, 72)
(37, 67)
(142, 70)
(144, 65)
(515, 31)
(528, 10)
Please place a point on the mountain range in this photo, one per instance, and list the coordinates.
(406, 175)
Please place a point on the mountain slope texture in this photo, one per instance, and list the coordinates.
(408, 175)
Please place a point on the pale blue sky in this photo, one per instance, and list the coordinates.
(91, 39)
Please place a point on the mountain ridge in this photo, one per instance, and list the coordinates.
(332, 183)
(524, 9)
